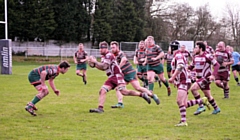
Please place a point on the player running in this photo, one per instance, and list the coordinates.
(154, 53)
(181, 80)
(202, 63)
(224, 58)
(115, 77)
(80, 57)
(130, 75)
(139, 59)
(236, 64)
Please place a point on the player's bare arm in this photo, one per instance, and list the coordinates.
(216, 67)
(176, 72)
(101, 66)
(228, 63)
(52, 85)
(74, 58)
(98, 65)
(145, 61)
(84, 60)
(123, 61)
(135, 60)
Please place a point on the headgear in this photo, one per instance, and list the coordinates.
(174, 46)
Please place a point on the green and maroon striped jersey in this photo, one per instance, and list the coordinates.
(141, 55)
(52, 71)
(80, 55)
(153, 52)
(127, 67)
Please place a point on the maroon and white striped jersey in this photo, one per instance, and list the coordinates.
(226, 56)
(185, 53)
(202, 65)
(113, 68)
(209, 50)
(179, 63)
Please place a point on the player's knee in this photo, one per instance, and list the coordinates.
(218, 83)
(138, 88)
(150, 79)
(103, 90)
(121, 88)
(125, 92)
(225, 83)
(42, 94)
(194, 88)
(180, 102)
(46, 93)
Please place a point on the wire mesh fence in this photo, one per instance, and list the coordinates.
(62, 52)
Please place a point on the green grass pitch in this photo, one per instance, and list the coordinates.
(67, 117)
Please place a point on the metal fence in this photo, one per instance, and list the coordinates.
(62, 52)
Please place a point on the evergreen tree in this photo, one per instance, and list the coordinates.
(64, 16)
(18, 19)
(125, 19)
(73, 19)
(102, 29)
(140, 20)
(42, 22)
(83, 19)
(30, 19)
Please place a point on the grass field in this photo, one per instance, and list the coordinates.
(67, 117)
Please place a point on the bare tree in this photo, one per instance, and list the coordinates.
(155, 12)
(204, 24)
(179, 20)
(233, 21)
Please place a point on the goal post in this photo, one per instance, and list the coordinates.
(129, 48)
(5, 22)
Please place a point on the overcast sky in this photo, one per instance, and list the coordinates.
(216, 6)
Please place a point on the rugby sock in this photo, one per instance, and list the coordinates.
(199, 98)
(236, 79)
(120, 103)
(226, 92)
(213, 103)
(193, 102)
(100, 107)
(156, 78)
(183, 113)
(141, 94)
(151, 86)
(145, 82)
(169, 76)
(35, 100)
(142, 79)
(166, 83)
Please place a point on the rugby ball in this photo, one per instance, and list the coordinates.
(220, 59)
(91, 64)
